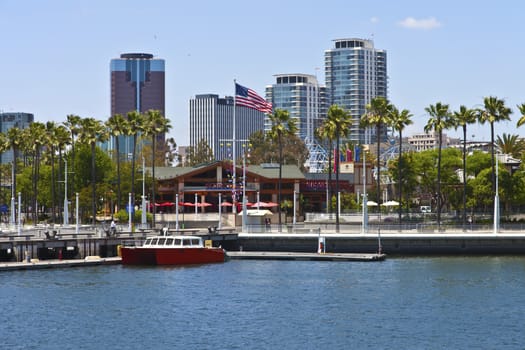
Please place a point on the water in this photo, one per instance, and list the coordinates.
(402, 303)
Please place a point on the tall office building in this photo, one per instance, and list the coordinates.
(13, 120)
(302, 96)
(355, 73)
(137, 84)
(211, 119)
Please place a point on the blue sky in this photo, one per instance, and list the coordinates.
(56, 53)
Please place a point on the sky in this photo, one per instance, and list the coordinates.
(55, 54)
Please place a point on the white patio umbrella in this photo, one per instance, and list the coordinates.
(390, 204)
(371, 203)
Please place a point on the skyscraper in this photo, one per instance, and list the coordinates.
(211, 119)
(137, 84)
(302, 96)
(13, 120)
(356, 73)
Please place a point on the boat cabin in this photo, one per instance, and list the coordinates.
(173, 242)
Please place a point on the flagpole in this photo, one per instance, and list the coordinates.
(234, 175)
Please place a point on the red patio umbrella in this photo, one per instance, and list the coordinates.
(188, 204)
(260, 204)
(226, 204)
(271, 204)
(165, 204)
(203, 204)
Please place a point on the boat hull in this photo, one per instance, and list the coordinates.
(171, 256)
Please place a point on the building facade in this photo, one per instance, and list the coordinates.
(211, 119)
(13, 120)
(355, 73)
(137, 84)
(302, 96)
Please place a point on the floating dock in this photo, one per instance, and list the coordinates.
(248, 255)
(50, 264)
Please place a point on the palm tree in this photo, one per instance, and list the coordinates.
(521, 121)
(154, 125)
(282, 126)
(73, 125)
(378, 113)
(340, 122)
(494, 111)
(440, 119)
(326, 132)
(400, 120)
(117, 126)
(92, 131)
(510, 144)
(52, 141)
(136, 126)
(14, 139)
(462, 118)
(36, 133)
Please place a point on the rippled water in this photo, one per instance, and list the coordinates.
(402, 303)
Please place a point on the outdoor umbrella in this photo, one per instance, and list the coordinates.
(390, 204)
(226, 204)
(371, 203)
(271, 204)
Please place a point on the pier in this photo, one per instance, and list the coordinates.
(305, 256)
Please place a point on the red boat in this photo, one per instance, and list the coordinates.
(171, 250)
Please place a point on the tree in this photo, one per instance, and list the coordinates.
(155, 124)
(510, 144)
(201, 153)
(118, 126)
(14, 139)
(92, 131)
(439, 120)
(378, 112)
(462, 118)
(494, 111)
(400, 120)
(521, 121)
(265, 150)
(338, 122)
(282, 125)
(136, 126)
(326, 132)
(73, 125)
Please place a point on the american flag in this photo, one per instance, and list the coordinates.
(248, 98)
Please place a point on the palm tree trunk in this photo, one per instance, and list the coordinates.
(399, 165)
(329, 184)
(153, 146)
(93, 187)
(53, 191)
(492, 155)
(379, 170)
(336, 162)
(464, 177)
(280, 177)
(119, 194)
(439, 183)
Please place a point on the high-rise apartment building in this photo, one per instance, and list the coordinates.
(13, 120)
(137, 84)
(355, 73)
(303, 97)
(211, 119)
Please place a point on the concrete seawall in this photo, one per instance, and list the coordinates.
(391, 243)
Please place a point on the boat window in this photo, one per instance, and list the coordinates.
(148, 241)
(195, 241)
(154, 241)
(162, 241)
(169, 241)
(186, 242)
(177, 241)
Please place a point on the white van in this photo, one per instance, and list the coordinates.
(425, 209)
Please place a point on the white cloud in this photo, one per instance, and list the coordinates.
(374, 20)
(424, 23)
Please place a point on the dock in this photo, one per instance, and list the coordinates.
(50, 264)
(249, 255)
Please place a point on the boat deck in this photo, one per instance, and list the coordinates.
(247, 255)
(50, 264)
